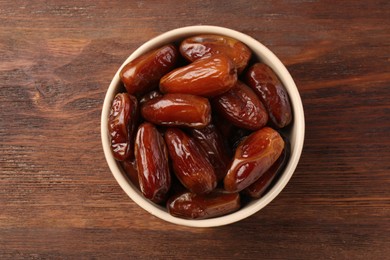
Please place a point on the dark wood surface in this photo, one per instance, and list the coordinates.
(58, 198)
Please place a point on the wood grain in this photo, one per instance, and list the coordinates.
(58, 198)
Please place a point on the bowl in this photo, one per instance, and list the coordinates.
(295, 133)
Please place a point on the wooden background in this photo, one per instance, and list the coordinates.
(58, 198)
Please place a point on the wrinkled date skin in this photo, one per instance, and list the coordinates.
(152, 162)
(210, 140)
(201, 206)
(189, 163)
(242, 107)
(200, 46)
(144, 73)
(208, 77)
(253, 157)
(121, 125)
(261, 78)
(178, 110)
(259, 187)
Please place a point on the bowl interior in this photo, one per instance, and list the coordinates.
(295, 132)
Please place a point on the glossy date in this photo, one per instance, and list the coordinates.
(211, 141)
(208, 77)
(201, 206)
(191, 167)
(201, 46)
(254, 155)
(121, 125)
(143, 73)
(177, 110)
(261, 78)
(259, 187)
(241, 107)
(152, 162)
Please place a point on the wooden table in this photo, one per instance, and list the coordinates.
(58, 198)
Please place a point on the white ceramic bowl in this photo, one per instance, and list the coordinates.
(296, 135)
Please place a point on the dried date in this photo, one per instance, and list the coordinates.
(144, 73)
(261, 78)
(211, 141)
(253, 157)
(201, 206)
(201, 46)
(189, 164)
(178, 110)
(208, 77)
(121, 125)
(259, 187)
(152, 162)
(241, 107)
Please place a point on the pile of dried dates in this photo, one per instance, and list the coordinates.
(196, 127)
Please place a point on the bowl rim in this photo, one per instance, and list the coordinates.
(297, 130)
